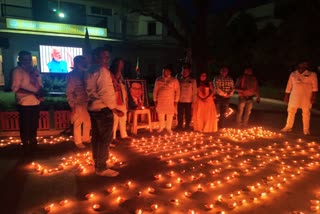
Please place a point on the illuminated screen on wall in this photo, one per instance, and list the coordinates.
(57, 59)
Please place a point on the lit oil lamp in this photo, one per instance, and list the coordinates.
(154, 207)
(209, 206)
(96, 207)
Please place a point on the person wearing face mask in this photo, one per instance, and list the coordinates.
(27, 86)
(78, 101)
(166, 95)
(301, 92)
(247, 87)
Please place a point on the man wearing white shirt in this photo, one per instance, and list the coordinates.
(78, 101)
(101, 106)
(166, 95)
(188, 94)
(301, 92)
(27, 86)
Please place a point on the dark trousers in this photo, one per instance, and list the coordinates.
(184, 111)
(102, 125)
(222, 105)
(28, 124)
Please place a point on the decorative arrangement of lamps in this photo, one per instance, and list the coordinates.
(238, 170)
(41, 140)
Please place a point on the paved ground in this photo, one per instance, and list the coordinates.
(248, 170)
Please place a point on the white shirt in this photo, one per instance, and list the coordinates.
(300, 87)
(21, 80)
(166, 92)
(100, 90)
(188, 90)
(76, 91)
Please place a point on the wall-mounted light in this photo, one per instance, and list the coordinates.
(61, 14)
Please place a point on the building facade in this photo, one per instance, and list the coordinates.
(35, 25)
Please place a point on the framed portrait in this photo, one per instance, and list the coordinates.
(137, 93)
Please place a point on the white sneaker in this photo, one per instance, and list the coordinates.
(285, 129)
(107, 173)
(169, 131)
(80, 146)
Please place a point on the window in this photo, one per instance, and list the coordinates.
(106, 11)
(74, 13)
(101, 11)
(152, 26)
(95, 10)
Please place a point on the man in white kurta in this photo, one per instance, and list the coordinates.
(121, 98)
(301, 92)
(78, 101)
(166, 95)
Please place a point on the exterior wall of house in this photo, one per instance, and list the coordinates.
(128, 33)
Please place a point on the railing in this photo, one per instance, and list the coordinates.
(61, 120)
(9, 121)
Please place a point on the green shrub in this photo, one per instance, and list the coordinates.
(55, 103)
(7, 101)
(54, 83)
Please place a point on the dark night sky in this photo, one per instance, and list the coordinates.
(223, 5)
(220, 5)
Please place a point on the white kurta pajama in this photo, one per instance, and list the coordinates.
(301, 86)
(166, 93)
(121, 121)
(78, 101)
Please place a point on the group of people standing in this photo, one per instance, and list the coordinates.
(102, 87)
(98, 100)
(95, 98)
(207, 99)
(206, 103)
(190, 99)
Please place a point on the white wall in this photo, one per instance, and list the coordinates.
(143, 25)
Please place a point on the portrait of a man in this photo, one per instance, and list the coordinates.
(137, 94)
(57, 64)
